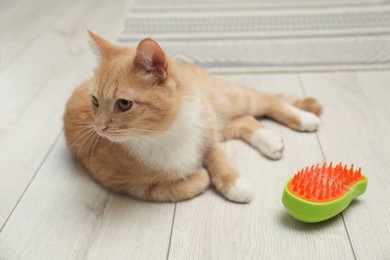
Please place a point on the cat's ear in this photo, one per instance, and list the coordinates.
(101, 47)
(151, 58)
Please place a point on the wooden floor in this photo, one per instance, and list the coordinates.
(51, 209)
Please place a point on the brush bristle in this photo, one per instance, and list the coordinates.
(324, 183)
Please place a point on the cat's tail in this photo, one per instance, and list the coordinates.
(247, 101)
(309, 104)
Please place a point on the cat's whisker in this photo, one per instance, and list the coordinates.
(143, 130)
(90, 134)
(96, 140)
(123, 135)
(82, 133)
(89, 139)
(132, 129)
(94, 146)
(153, 141)
(152, 131)
(134, 148)
(81, 123)
(90, 144)
(86, 133)
(139, 131)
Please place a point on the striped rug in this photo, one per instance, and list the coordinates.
(266, 35)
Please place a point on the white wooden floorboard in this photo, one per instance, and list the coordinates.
(356, 130)
(35, 87)
(22, 21)
(64, 214)
(4, 4)
(210, 227)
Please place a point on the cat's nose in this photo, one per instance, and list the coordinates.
(104, 128)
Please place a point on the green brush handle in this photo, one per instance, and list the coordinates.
(313, 212)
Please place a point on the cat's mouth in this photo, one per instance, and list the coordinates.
(117, 138)
(119, 135)
(110, 134)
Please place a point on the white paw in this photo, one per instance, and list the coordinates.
(309, 121)
(242, 191)
(268, 143)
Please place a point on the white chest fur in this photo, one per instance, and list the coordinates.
(176, 149)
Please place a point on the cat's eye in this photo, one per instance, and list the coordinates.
(95, 102)
(123, 105)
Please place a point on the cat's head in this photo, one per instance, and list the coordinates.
(134, 92)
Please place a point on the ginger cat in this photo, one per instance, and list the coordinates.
(149, 126)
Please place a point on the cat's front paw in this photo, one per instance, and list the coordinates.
(268, 143)
(241, 191)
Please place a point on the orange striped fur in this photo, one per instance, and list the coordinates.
(166, 145)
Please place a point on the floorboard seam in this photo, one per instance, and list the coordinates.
(323, 156)
(170, 236)
(349, 237)
(32, 179)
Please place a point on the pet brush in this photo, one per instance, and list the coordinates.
(318, 193)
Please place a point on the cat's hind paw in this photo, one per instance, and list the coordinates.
(311, 105)
(309, 121)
